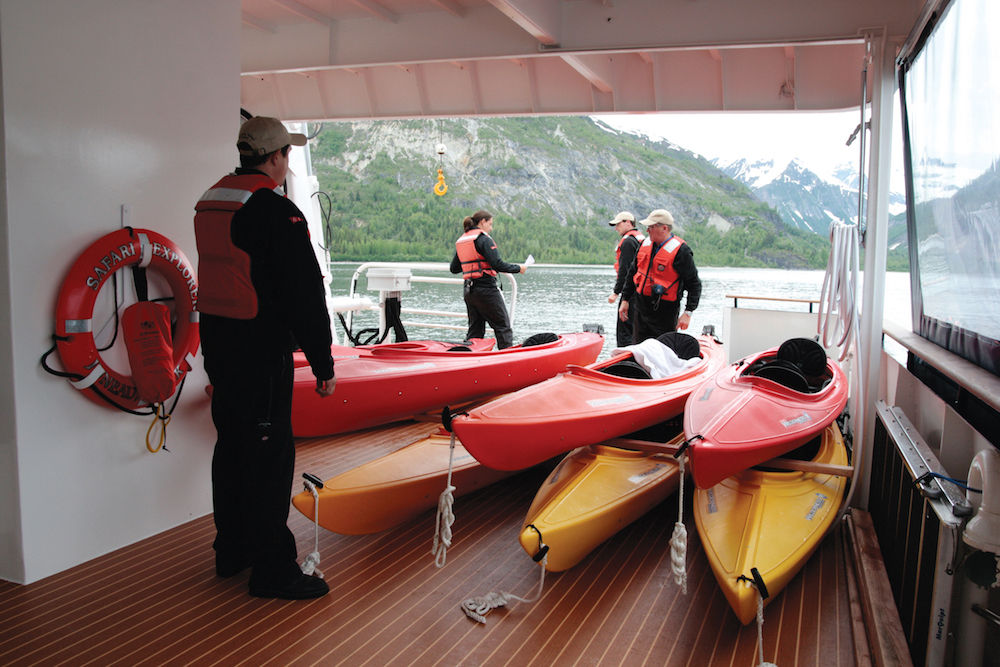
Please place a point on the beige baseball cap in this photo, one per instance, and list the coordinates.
(624, 215)
(660, 216)
(262, 135)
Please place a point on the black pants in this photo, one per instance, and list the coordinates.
(484, 303)
(253, 465)
(653, 319)
(624, 330)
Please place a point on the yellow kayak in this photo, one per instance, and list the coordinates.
(594, 492)
(385, 492)
(772, 521)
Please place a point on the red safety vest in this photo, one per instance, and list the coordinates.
(225, 287)
(658, 270)
(474, 265)
(618, 248)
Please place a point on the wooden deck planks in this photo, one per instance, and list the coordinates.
(158, 602)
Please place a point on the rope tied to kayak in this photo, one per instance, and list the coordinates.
(445, 514)
(476, 608)
(311, 563)
(757, 583)
(678, 541)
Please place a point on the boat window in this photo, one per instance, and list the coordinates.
(950, 91)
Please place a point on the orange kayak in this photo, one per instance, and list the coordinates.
(759, 408)
(395, 488)
(388, 384)
(583, 406)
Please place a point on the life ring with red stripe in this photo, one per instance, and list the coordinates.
(128, 247)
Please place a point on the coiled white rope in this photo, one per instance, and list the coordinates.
(476, 608)
(445, 514)
(311, 563)
(838, 308)
(678, 541)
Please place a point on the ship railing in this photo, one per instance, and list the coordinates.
(767, 327)
(391, 279)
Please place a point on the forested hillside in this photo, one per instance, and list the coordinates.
(552, 183)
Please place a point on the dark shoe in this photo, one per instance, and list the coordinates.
(305, 587)
(230, 566)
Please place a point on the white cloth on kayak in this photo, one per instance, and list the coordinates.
(659, 360)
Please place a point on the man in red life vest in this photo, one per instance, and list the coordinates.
(628, 245)
(663, 270)
(477, 259)
(261, 292)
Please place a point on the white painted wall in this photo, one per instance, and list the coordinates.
(104, 103)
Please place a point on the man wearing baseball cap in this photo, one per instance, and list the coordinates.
(260, 293)
(663, 270)
(629, 239)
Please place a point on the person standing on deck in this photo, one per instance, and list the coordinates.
(628, 245)
(260, 293)
(477, 259)
(663, 270)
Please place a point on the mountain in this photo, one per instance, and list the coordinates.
(552, 183)
(807, 201)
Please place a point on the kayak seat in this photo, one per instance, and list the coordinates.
(459, 348)
(627, 368)
(685, 346)
(805, 353)
(784, 373)
(539, 339)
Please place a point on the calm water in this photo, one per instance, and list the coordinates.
(565, 298)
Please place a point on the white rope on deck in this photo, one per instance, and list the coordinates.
(760, 631)
(678, 541)
(311, 563)
(445, 514)
(476, 608)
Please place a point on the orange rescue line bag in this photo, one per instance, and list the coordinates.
(146, 330)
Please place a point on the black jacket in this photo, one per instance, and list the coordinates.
(291, 296)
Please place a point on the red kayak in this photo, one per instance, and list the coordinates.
(346, 352)
(761, 407)
(583, 406)
(386, 384)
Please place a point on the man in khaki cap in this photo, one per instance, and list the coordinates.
(663, 270)
(629, 239)
(260, 293)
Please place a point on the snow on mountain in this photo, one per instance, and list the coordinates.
(803, 198)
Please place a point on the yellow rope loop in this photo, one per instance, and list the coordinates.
(159, 416)
(441, 188)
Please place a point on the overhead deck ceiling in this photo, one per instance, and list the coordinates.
(353, 59)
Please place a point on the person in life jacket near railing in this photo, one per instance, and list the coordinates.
(261, 293)
(629, 240)
(477, 259)
(663, 270)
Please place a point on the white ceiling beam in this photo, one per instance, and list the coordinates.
(587, 68)
(304, 11)
(539, 18)
(376, 10)
(259, 23)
